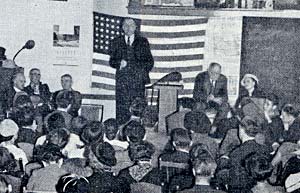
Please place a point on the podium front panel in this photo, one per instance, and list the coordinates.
(167, 103)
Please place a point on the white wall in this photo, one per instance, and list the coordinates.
(21, 20)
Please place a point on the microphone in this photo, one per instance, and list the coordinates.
(28, 45)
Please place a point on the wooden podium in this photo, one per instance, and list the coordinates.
(167, 101)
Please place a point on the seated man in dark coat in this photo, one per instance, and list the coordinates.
(291, 121)
(204, 167)
(210, 91)
(176, 119)
(36, 87)
(272, 126)
(178, 161)
(236, 177)
(66, 83)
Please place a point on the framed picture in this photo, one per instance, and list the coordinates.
(66, 40)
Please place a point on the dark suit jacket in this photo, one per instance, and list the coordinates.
(293, 134)
(138, 69)
(45, 93)
(203, 85)
(244, 93)
(75, 105)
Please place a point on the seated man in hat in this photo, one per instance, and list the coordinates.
(210, 91)
(66, 83)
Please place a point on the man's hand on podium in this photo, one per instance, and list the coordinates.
(123, 64)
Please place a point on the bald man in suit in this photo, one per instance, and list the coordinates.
(130, 55)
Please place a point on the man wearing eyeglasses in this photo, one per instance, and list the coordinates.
(36, 87)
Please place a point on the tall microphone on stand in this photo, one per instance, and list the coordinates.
(28, 45)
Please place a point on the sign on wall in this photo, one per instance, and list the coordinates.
(66, 45)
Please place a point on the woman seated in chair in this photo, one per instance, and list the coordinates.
(142, 170)
(250, 90)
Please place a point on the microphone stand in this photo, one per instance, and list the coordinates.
(18, 53)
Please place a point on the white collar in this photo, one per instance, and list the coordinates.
(62, 109)
(251, 91)
(17, 90)
(130, 37)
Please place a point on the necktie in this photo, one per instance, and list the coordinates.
(128, 41)
(212, 87)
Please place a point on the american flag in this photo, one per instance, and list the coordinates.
(177, 44)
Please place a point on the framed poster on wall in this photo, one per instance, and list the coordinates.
(66, 45)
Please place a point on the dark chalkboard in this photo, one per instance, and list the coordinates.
(270, 50)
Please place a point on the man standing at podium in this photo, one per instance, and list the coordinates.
(130, 55)
(210, 91)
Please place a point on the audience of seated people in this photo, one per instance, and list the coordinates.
(49, 147)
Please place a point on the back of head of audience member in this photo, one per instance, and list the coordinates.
(66, 82)
(55, 121)
(8, 131)
(198, 151)
(105, 154)
(271, 100)
(110, 128)
(138, 106)
(72, 183)
(289, 113)
(203, 164)
(150, 117)
(78, 124)
(197, 122)
(59, 137)
(258, 167)
(92, 133)
(248, 129)
(186, 103)
(134, 132)
(204, 167)
(23, 111)
(181, 139)
(48, 154)
(7, 161)
(141, 151)
(5, 187)
(64, 99)
(19, 80)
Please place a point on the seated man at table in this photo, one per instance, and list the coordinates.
(210, 91)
